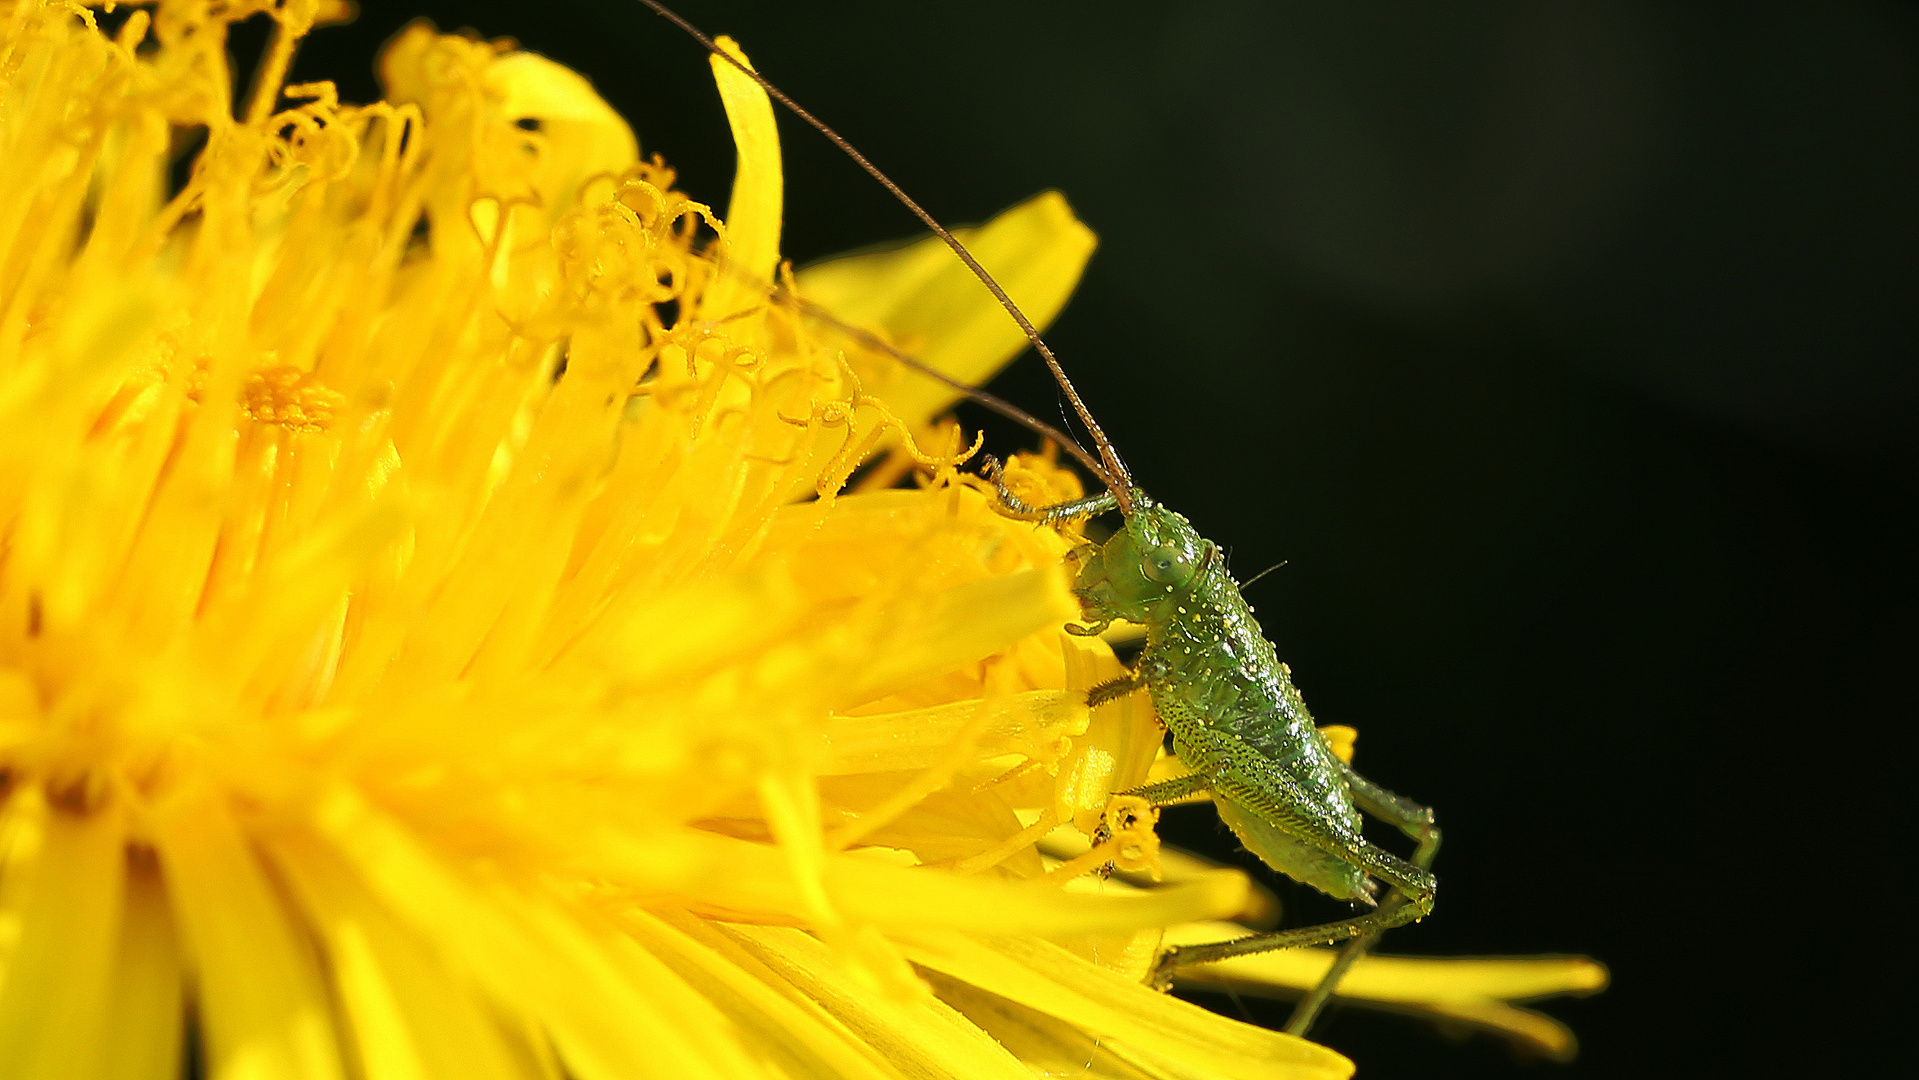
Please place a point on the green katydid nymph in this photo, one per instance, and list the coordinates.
(1241, 728)
(1236, 721)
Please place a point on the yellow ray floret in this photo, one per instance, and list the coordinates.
(1469, 991)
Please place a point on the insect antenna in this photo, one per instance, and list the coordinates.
(1111, 470)
(992, 401)
(867, 338)
(1244, 585)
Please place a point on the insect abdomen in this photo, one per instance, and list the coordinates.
(1233, 713)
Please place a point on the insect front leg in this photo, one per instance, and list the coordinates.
(1168, 792)
(1072, 510)
(1113, 690)
(1415, 821)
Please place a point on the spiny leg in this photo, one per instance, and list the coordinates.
(1415, 883)
(1161, 793)
(1167, 792)
(1072, 510)
(1269, 798)
(1113, 690)
(1416, 822)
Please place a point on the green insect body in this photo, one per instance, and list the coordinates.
(1241, 727)
(1221, 691)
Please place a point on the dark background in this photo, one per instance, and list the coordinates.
(1565, 350)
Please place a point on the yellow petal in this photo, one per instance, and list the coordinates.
(739, 876)
(266, 1012)
(526, 952)
(53, 1017)
(781, 1024)
(581, 135)
(950, 632)
(1158, 1033)
(1045, 1044)
(928, 303)
(921, 1038)
(1474, 990)
(1122, 740)
(149, 982)
(753, 217)
(1340, 738)
(919, 738)
(413, 1018)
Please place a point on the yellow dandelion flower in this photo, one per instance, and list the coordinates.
(423, 654)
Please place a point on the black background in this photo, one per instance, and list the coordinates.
(1566, 351)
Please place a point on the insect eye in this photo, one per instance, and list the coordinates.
(1167, 564)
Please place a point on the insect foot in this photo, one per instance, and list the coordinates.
(1161, 977)
(1128, 830)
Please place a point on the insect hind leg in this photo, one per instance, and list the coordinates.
(1415, 821)
(1411, 900)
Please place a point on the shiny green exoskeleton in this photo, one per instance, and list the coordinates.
(1242, 729)
(1236, 721)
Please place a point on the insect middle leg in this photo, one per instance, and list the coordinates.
(1413, 888)
(1161, 793)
